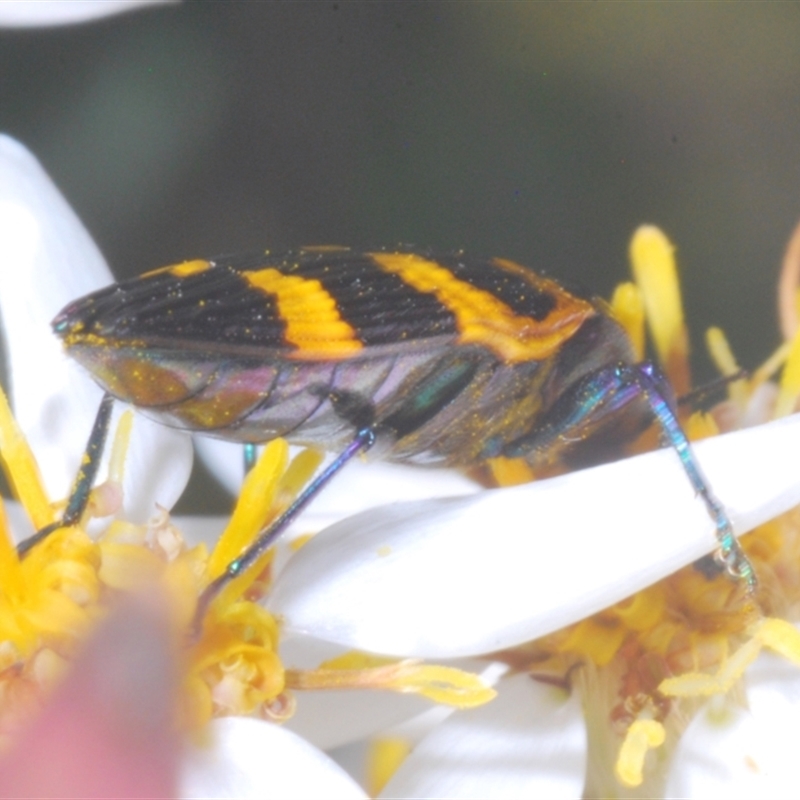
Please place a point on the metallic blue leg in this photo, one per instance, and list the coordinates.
(730, 554)
(250, 457)
(612, 388)
(362, 442)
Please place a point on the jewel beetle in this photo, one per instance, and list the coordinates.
(423, 358)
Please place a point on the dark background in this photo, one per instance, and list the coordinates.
(542, 132)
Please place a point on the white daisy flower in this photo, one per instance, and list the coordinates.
(445, 578)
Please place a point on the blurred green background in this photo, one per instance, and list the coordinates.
(542, 132)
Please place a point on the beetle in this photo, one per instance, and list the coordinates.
(425, 358)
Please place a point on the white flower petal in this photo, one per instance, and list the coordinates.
(18, 521)
(197, 529)
(47, 258)
(254, 759)
(330, 719)
(38, 231)
(529, 742)
(157, 468)
(451, 577)
(729, 751)
(362, 485)
(42, 13)
(225, 461)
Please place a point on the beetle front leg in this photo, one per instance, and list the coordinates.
(84, 480)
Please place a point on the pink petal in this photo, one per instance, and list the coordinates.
(108, 730)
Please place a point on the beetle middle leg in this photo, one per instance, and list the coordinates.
(432, 392)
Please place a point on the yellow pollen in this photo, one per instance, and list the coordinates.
(642, 736)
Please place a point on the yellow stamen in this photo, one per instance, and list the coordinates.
(782, 637)
(267, 490)
(50, 599)
(298, 474)
(21, 469)
(700, 684)
(300, 541)
(11, 582)
(721, 354)
(777, 634)
(627, 306)
(384, 756)
(119, 448)
(790, 381)
(788, 293)
(444, 685)
(642, 736)
(656, 274)
(700, 426)
(771, 365)
(253, 507)
(106, 498)
(234, 668)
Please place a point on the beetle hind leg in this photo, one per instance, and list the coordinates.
(583, 408)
